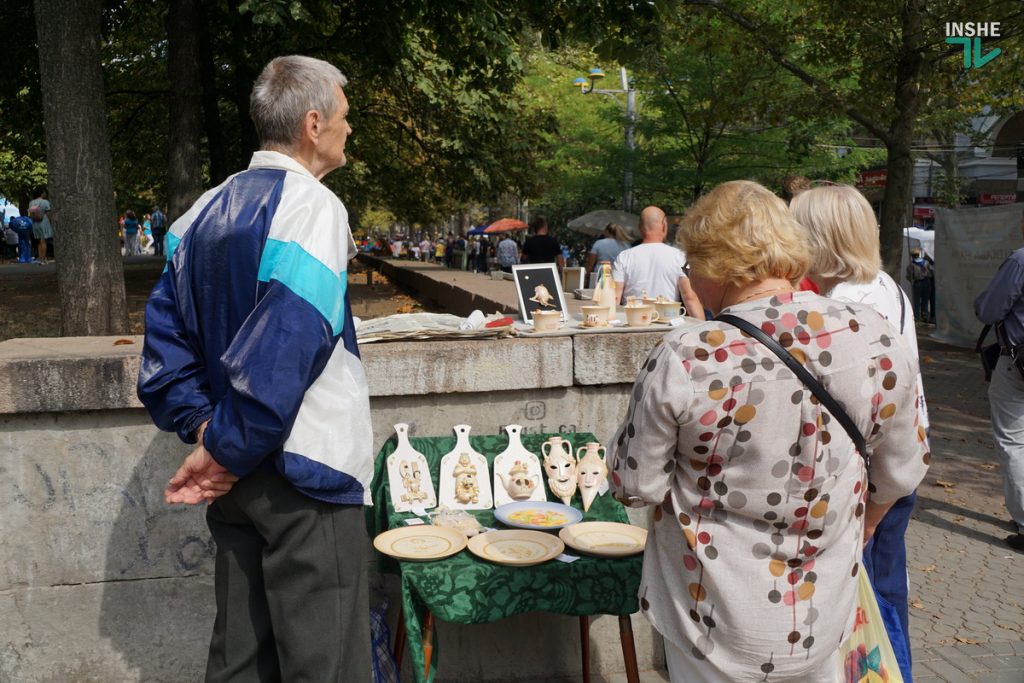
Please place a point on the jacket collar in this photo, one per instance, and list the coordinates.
(268, 159)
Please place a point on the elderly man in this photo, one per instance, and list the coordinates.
(655, 267)
(250, 350)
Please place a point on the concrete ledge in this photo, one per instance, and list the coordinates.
(611, 358)
(442, 367)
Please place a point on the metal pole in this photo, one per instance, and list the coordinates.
(627, 175)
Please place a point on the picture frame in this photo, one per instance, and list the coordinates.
(528, 278)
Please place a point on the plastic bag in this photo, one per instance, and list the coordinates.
(867, 655)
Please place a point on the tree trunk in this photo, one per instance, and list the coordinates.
(219, 169)
(184, 169)
(899, 185)
(90, 276)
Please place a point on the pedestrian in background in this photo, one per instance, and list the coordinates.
(921, 275)
(613, 242)
(159, 221)
(42, 229)
(1002, 305)
(130, 226)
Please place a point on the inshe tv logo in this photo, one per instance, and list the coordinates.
(969, 35)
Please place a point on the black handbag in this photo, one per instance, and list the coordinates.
(831, 405)
(988, 353)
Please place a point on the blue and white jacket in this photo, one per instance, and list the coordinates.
(250, 327)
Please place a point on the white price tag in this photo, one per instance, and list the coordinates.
(418, 510)
(413, 521)
(568, 559)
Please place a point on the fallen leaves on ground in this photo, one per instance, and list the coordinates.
(917, 604)
(929, 569)
(122, 342)
(966, 641)
(945, 484)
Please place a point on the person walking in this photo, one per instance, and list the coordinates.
(507, 253)
(130, 226)
(42, 229)
(655, 268)
(1002, 305)
(159, 222)
(613, 242)
(257, 364)
(921, 275)
(540, 247)
(762, 502)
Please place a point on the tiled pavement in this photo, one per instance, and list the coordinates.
(966, 584)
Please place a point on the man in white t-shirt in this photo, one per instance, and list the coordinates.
(655, 267)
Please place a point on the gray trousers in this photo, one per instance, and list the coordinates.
(1006, 402)
(291, 587)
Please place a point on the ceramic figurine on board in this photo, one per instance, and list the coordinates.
(560, 467)
(591, 472)
(542, 296)
(409, 475)
(465, 476)
(466, 489)
(511, 481)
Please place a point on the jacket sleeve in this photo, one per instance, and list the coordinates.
(173, 383)
(994, 304)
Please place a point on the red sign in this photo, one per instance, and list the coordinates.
(989, 198)
(924, 212)
(872, 178)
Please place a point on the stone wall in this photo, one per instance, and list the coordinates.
(101, 581)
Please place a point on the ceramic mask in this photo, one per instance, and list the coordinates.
(466, 488)
(591, 472)
(560, 467)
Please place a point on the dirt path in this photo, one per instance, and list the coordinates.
(29, 306)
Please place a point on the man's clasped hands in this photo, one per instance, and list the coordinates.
(200, 478)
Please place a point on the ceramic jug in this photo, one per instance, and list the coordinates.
(591, 471)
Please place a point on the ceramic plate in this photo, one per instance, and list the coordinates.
(515, 547)
(610, 539)
(528, 514)
(422, 542)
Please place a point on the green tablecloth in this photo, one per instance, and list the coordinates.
(464, 589)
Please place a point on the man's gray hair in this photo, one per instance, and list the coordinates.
(288, 88)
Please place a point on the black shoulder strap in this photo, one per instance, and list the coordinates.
(825, 398)
(903, 307)
(981, 338)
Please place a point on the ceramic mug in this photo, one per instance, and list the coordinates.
(546, 321)
(594, 316)
(640, 316)
(668, 309)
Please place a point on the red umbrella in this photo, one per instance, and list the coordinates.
(505, 225)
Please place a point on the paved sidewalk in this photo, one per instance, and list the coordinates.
(967, 585)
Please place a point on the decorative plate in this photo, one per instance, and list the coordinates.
(421, 542)
(515, 547)
(608, 539)
(545, 516)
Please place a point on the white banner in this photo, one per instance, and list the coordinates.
(970, 244)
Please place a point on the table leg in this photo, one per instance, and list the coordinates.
(428, 644)
(400, 638)
(628, 649)
(585, 646)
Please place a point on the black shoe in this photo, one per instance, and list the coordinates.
(1016, 541)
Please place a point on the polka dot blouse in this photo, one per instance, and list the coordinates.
(752, 560)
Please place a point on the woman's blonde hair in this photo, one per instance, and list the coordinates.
(617, 233)
(741, 233)
(842, 230)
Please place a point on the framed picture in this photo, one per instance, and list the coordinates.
(538, 287)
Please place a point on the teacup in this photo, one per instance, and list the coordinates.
(640, 316)
(546, 321)
(594, 316)
(668, 309)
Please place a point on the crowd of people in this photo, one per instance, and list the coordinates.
(147, 236)
(29, 238)
(780, 437)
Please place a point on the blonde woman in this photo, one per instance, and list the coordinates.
(762, 505)
(846, 266)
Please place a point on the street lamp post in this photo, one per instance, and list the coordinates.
(586, 87)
